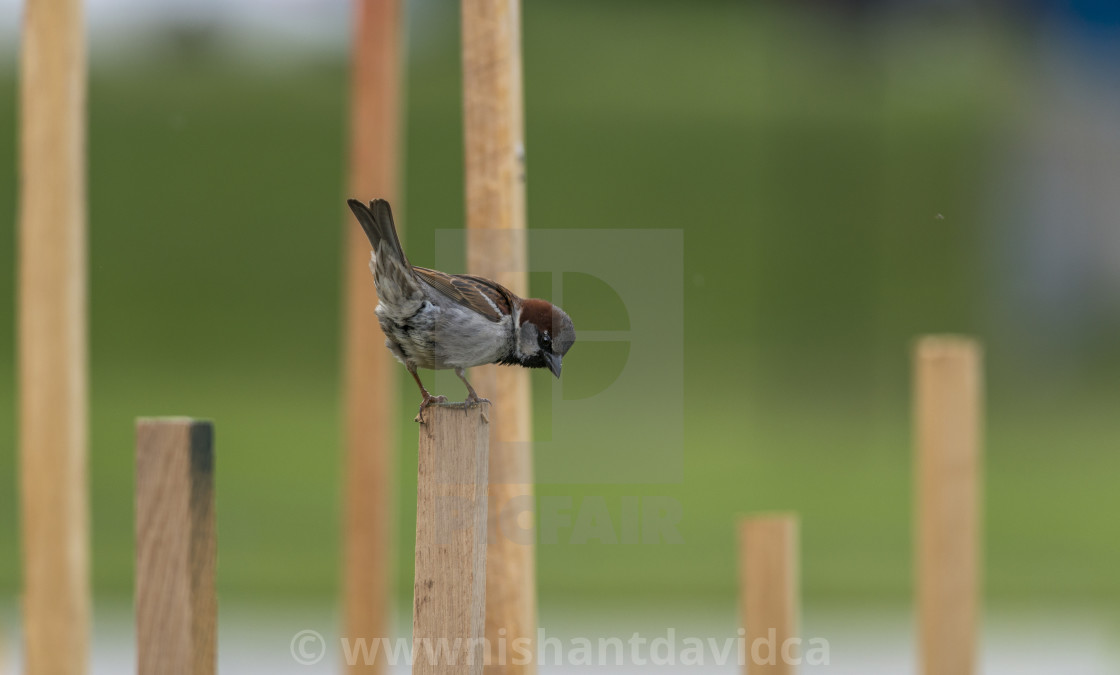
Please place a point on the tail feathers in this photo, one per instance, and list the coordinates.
(377, 222)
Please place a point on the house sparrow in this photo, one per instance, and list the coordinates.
(436, 320)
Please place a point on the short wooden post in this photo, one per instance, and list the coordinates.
(53, 396)
(176, 550)
(369, 371)
(450, 590)
(768, 592)
(947, 410)
(493, 114)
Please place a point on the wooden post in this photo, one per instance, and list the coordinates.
(450, 590)
(52, 339)
(947, 409)
(368, 369)
(768, 592)
(495, 182)
(176, 549)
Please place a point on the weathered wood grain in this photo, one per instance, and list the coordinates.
(449, 600)
(176, 548)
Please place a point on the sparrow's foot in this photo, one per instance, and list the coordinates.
(428, 401)
(472, 397)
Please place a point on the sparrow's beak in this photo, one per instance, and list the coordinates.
(554, 362)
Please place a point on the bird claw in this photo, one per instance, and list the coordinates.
(429, 400)
(474, 399)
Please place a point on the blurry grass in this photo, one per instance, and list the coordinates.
(805, 165)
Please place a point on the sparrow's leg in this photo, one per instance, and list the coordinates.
(472, 397)
(428, 398)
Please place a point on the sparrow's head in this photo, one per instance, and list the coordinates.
(545, 335)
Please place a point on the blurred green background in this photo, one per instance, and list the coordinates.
(842, 185)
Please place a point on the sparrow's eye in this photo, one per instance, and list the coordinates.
(546, 340)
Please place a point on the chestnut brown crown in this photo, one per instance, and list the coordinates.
(546, 335)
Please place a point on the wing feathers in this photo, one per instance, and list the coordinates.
(486, 297)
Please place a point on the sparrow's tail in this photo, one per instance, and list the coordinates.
(377, 222)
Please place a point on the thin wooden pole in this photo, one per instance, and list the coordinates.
(368, 370)
(948, 413)
(769, 595)
(450, 590)
(176, 548)
(52, 339)
(495, 182)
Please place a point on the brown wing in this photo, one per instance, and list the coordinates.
(486, 297)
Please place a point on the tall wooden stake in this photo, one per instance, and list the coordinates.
(368, 371)
(450, 589)
(769, 596)
(52, 339)
(947, 403)
(495, 182)
(176, 548)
